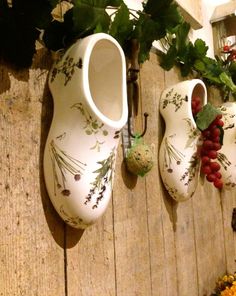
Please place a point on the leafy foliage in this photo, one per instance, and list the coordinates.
(21, 24)
(18, 29)
(121, 28)
(192, 59)
(85, 17)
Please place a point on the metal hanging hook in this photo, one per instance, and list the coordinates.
(144, 130)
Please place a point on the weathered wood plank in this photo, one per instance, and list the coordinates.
(90, 259)
(228, 203)
(31, 244)
(131, 234)
(208, 237)
(161, 237)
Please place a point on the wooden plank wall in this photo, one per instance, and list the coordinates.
(145, 245)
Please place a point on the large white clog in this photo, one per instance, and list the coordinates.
(88, 85)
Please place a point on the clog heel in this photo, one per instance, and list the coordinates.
(88, 85)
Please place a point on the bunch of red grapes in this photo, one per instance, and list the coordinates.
(210, 146)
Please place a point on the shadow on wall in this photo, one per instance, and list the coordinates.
(42, 60)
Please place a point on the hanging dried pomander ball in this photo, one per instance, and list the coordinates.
(139, 158)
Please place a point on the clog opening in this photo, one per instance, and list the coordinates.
(198, 99)
(105, 79)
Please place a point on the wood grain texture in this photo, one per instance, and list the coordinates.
(31, 244)
(90, 259)
(160, 218)
(145, 245)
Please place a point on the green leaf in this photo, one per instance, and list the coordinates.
(232, 71)
(122, 27)
(171, 16)
(98, 28)
(146, 31)
(200, 48)
(167, 60)
(206, 116)
(181, 32)
(155, 8)
(199, 66)
(224, 78)
(88, 17)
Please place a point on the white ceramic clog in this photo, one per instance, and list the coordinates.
(178, 159)
(88, 85)
(226, 155)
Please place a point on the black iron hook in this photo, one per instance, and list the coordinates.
(144, 130)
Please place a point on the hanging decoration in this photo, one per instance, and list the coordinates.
(139, 158)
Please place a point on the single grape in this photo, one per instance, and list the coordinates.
(216, 132)
(206, 169)
(205, 159)
(212, 154)
(220, 122)
(216, 139)
(207, 144)
(218, 183)
(197, 100)
(211, 177)
(215, 166)
(218, 175)
(216, 146)
(226, 48)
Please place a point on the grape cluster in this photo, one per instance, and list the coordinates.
(210, 147)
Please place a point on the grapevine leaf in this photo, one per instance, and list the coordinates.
(200, 66)
(225, 79)
(181, 32)
(146, 31)
(98, 28)
(206, 116)
(170, 17)
(167, 60)
(232, 70)
(200, 48)
(86, 17)
(155, 8)
(122, 27)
